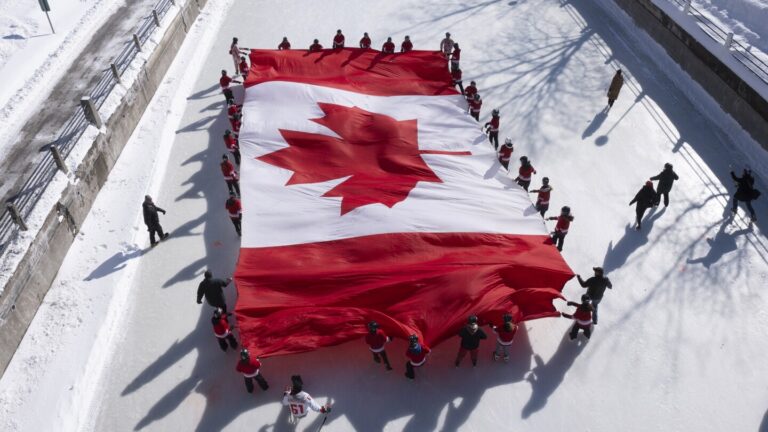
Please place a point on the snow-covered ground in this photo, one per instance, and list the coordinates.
(119, 343)
(32, 58)
(746, 18)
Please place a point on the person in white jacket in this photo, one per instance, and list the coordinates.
(300, 402)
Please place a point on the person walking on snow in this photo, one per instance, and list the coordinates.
(582, 317)
(542, 200)
(416, 354)
(505, 153)
(365, 41)
(243, 67)
(235, 211)
(470, 91)
(152, 220)
(315, 47)
(615, 88)
(595, 286)
(284, 45)
(525, 173)
(224, 83)
(745, 191)
(644, 198)
(504, 337)
(338, 40)
(455, 57)
(213, 290)
(456, 76)
(446, 45)
(230, 141)
(230, 175)
(407, 45)
(236, 123)
(388, 47)
(376, 339)
(562, 226)
(492, 129)
(222, 330)
(300, 402)
(665, 178)
(235, 52)
(474, 106)
(250, 367)
(232, 109)
(471, 335)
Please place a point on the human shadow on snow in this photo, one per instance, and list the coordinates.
(632, 240)
(722, 243)
(545, 378)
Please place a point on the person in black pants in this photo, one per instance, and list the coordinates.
(470, 335)
(152, 220)
(596, 286)
(644, 198)
(222, 331)
(665, 178)
(745, 191)
(213, 291)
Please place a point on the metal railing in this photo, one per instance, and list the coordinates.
(18, 208)
(741, 53)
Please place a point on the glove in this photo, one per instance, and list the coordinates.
(199, 302)
(326, 409)
(163, 211)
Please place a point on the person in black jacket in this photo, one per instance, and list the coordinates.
(470, 335)
(665, 178)
(595, 286)
(745, 191)
(152, 220)
(644, 199)
(213, 291)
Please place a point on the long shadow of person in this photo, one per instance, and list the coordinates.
(724, 242)
(116, 262)
(546, 377)
(595, 124)
(618, 254)
(764, 423)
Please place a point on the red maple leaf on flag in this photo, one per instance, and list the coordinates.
(378, 154)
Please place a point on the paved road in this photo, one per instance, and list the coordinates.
(81, 76)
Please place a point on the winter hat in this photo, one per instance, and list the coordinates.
(208, 274)
(224, 156)
(598, 270)
(244, 356)
(372, 326)
(649, 183)
(296, 384)
(147, 198)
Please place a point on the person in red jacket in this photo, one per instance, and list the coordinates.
(388, 47)
(224, 83)
(505, 153)
(582, 317)
(470, 91)
(407, 45)
(222, 330)
(376, 339)
(455, 57)
(492, 129)
(315, 46)
(542, 200)
(505, 335)
(456, 76)
(230, 175)
(236, 122)
(338, 40)
(244, 68)
(525, 172)
(365, 41)
(251, 369)
(230, 140)
(474, 106)
(562, 226)
(416, 354)
(284, 45)
(233, 108)
(235, 211)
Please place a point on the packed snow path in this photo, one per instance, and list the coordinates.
(682, 335)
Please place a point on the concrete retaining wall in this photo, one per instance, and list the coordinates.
(33, 277)
(734, 95)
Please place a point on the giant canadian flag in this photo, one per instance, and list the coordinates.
(370, 194)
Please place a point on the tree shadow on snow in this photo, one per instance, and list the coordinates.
(545, 378)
